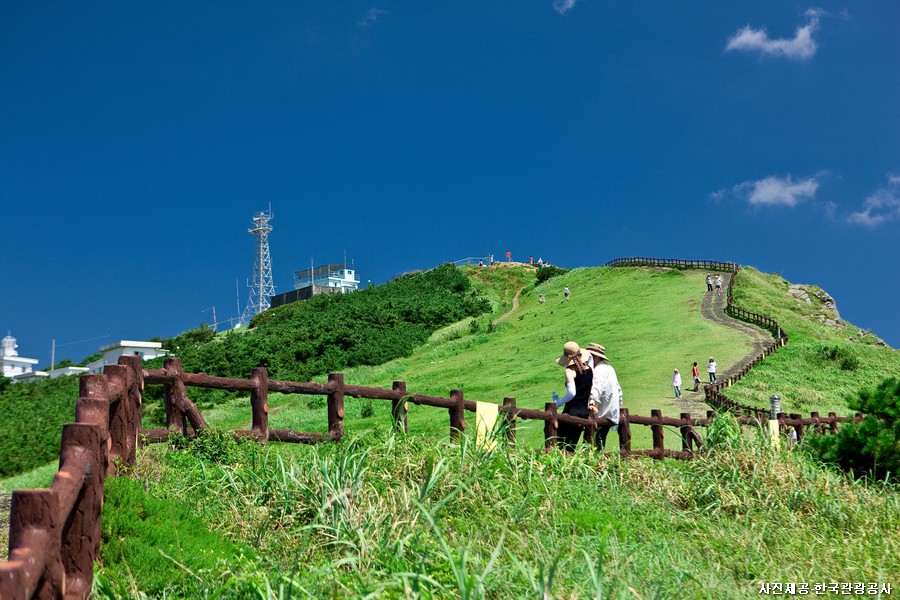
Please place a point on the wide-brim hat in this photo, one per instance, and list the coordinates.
(598, 350)
(570, 349)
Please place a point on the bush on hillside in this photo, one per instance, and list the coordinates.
(872, 446)
(32, 415)
(545, 273)
(333, 332)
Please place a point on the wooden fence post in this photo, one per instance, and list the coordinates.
(259, 404)
(686, 442)
(624, 431)
(174, 394)
(657, 430)
(551, 427)
(799, 427)
(833, 424)
(34, 522)
(93, 401)
(509, 405)
(399, 410)
(80, 541)
(119, 417)
(336, 406)
(457, 415)
(816, 422)
(135, 400)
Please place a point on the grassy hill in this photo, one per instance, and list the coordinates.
(384, 516)
(650, 322)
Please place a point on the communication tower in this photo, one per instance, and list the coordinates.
(263, 286)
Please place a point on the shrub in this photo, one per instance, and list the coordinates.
(872, 446)
(545, 273)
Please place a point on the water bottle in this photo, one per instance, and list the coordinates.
(555, 397)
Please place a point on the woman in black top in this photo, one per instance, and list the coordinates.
(579, 378)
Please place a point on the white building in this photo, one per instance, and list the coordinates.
(112, 352)
(13, 364)
(342, 277)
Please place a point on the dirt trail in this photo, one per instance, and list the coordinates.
(712, 307)
(515, 307)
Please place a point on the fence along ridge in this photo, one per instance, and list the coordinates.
(55, 533)
(713, 393)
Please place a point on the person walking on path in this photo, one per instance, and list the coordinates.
(676, 383)
(695, 373)
(606, 393)
(709, 283)
(579, 378)
(541, 299)
(566, 293)
(718, 284)
(711, 369)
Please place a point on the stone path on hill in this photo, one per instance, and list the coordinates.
(712, 307)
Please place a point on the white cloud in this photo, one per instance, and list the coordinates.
(801, 47)
(563, 6)
(371, 17)
(777, 191)
(882, 206)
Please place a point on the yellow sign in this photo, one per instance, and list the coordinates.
(774, 434)
(485, 421)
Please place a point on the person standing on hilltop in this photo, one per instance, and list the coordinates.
(676, 383)
(711, 369)
(579, 379)
(606, 393)
(566, 293)
(508, 256)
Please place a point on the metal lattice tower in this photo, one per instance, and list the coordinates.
(263, 286)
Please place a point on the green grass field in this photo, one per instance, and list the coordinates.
(382, 516)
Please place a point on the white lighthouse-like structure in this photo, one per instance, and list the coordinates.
(13, 364)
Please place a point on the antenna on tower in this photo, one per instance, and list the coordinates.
(263, 287)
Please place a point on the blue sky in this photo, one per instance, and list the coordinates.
(137, 140)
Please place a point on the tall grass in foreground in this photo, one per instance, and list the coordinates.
(391, 516)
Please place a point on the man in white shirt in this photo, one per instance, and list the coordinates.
(606, 393)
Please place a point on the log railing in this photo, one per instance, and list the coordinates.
(54, 533)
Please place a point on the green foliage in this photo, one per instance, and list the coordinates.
(872, 446)
(332, 332)
(160, 546)
(31, 416)
(843, 355)
(389, 516)
(212, 445)
(545, 273)
(193, 337)
(723, 433)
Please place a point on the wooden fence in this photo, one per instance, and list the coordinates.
(55, 533)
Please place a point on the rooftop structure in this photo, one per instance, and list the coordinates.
(13, 364)
(112, 352)
(331, 276)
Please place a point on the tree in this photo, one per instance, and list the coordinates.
(871, 446)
